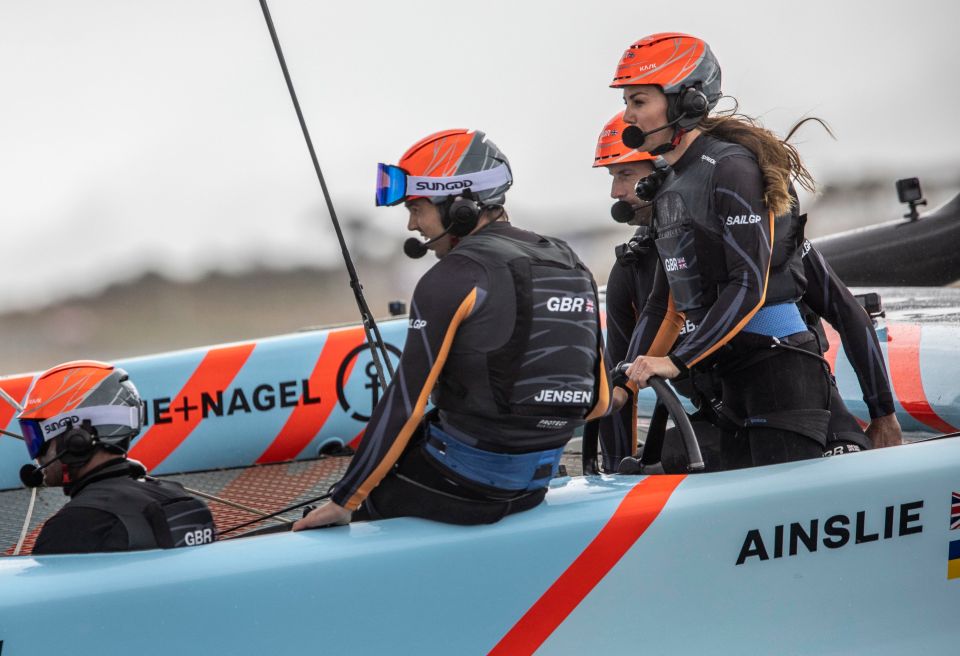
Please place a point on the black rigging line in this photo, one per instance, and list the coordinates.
(378, 349)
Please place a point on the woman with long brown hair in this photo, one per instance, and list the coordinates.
(729, 237)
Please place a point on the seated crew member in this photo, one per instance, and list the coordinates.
(630, 279)
(730, 256)
(504, 332)
(78, 423)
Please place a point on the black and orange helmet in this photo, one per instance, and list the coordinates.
(674, 62)
(610, 148)
(71, 394)
(447, 163)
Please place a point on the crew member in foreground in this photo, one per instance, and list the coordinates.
(729, 237)
(78, 423)
(504, 331)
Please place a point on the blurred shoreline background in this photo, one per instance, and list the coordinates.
(156, 194)
(152, 313)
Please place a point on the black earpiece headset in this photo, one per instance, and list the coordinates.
(691, 104)
(685, 109)
(77, 445)
(647, 187)
(460, 214)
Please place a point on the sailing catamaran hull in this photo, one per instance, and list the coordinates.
(616, 564)
(287, 397)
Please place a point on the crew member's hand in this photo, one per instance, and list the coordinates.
(644, 367)
(885, 431)
(325, 515)
(620, 399)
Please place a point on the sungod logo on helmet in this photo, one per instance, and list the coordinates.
(61, 423)
(444, 186)
(743, 219)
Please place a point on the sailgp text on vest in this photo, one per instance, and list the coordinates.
(744, 219)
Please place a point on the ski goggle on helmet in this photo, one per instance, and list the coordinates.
(69, 394)
(445, 163)
(610, 148)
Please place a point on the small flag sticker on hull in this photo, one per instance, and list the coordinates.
(955, 511)
(953, 564)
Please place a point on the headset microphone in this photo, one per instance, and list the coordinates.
(622, 211)
(633, 137)
(77, 446)
(415, 249)
(32, 475)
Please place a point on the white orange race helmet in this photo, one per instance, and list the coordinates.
(610, 148)
(447, 163)
(85, 394)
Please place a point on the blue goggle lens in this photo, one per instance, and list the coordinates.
(32, 436)
(391, 184)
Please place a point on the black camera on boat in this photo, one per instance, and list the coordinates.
(872, 304)
(908, 191)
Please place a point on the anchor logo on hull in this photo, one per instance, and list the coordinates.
(359, 409)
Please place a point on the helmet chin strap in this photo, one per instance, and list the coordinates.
(662, 149)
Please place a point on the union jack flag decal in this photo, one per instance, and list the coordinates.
(955, 511)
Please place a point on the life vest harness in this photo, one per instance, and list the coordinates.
(778, 321)
(496, 475)
(691, 242)
(811, 423)
(155, 514)
(532, 390)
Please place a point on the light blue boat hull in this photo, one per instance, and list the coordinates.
(412, 586)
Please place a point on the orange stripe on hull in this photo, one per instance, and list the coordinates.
(215, 372)
(903, 350)
(833, 338)
(17, 388)
(306, 420)
(630, 520)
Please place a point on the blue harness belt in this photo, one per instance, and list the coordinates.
(776, 321)
(516, 472)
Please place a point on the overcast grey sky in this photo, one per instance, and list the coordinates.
(159, 134)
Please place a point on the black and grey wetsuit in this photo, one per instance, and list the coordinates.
(628, 287)
(828, 298)
(112, 508)
(505, 333)
(729, 280)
